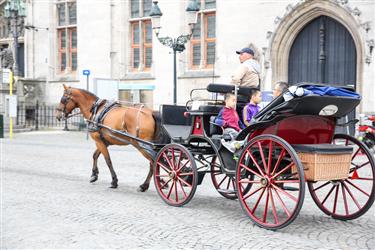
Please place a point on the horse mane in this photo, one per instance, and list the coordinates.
(160, 136)
(87, 92)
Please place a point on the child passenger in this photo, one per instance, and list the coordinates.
(228, 117)
(252, 108)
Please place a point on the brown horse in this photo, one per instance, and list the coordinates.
(137, 121)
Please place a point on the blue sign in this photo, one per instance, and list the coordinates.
(86, 72)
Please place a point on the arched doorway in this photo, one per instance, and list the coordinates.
(324, 52)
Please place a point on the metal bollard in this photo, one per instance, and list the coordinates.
(1, 126)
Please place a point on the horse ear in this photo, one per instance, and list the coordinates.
(65, 87)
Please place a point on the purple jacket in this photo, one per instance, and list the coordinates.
(249, 111)
(228, 118)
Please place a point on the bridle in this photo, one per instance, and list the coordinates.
(64, 101)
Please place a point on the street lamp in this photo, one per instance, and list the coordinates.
(14, 12)
(176, 44)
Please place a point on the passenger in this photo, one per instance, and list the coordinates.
(280, 87)
(228, 117)
(252, 108)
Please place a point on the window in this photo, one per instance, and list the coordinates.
(141, 35)
(203, 40)
(67, 35)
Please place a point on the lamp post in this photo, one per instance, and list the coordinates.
(176, 44)
(15, 12)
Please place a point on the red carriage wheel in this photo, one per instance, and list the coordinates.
(278, 184)
(223, 183)
(175, 175)
(349, 198)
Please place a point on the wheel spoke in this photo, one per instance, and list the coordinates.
(286, 193)
(357, 188)
(274, 211)
(323, 185)
(262, 156)
(344, 198)
(185, 174)
(282, 203)
(170, 190)
(178, 170)
(355, 154)
(250, 170)
(173, 160)
(287, 181)
(351, 195)
(248, 181)
(257, 203)
(182, 188)
(363, 179)
(187, 184)
(358, 167)
(255, 162)
(229, 181)
(269, 158)
(165, 183)
(162, 175)
(167, 159)
(266, 206)
(179, 160)
(222, 181)
(329, 193)
(164, 167)
(254, 192)
(335, 201)
(281, 156)
(175, 190)
(283, 170)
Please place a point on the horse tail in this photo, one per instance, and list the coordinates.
(160, 137)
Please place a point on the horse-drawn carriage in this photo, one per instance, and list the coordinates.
(289, 144)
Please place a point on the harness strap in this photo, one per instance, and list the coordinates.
(137, 127)
(95, 107)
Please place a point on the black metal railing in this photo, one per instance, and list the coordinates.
(43, 116)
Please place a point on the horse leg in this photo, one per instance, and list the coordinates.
(95, 170)
(104, 150)
(144, 187)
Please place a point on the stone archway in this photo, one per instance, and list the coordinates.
(291, 25)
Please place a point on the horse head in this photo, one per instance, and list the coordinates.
(67, 104)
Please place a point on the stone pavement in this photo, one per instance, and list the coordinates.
(47, 202)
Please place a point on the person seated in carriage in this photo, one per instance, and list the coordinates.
(252, 108)
(228, 117)
(230, 121)
(280, 88)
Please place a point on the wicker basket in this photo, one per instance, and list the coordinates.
(325, 165)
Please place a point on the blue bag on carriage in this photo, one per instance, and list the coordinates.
(332, 91)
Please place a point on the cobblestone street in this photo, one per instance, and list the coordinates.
(48, 202)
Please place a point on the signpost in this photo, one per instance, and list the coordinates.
(86, 72)
(11, 100)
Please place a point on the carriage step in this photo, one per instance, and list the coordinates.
(226, 191)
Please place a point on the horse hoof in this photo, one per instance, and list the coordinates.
(142, 188)
(113, 186)
(93, 179)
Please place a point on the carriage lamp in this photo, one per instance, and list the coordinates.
(176, 44)
(15, 12)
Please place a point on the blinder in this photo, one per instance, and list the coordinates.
(64, 101)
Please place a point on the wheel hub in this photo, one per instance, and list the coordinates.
(265, 181)
(172, 175)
